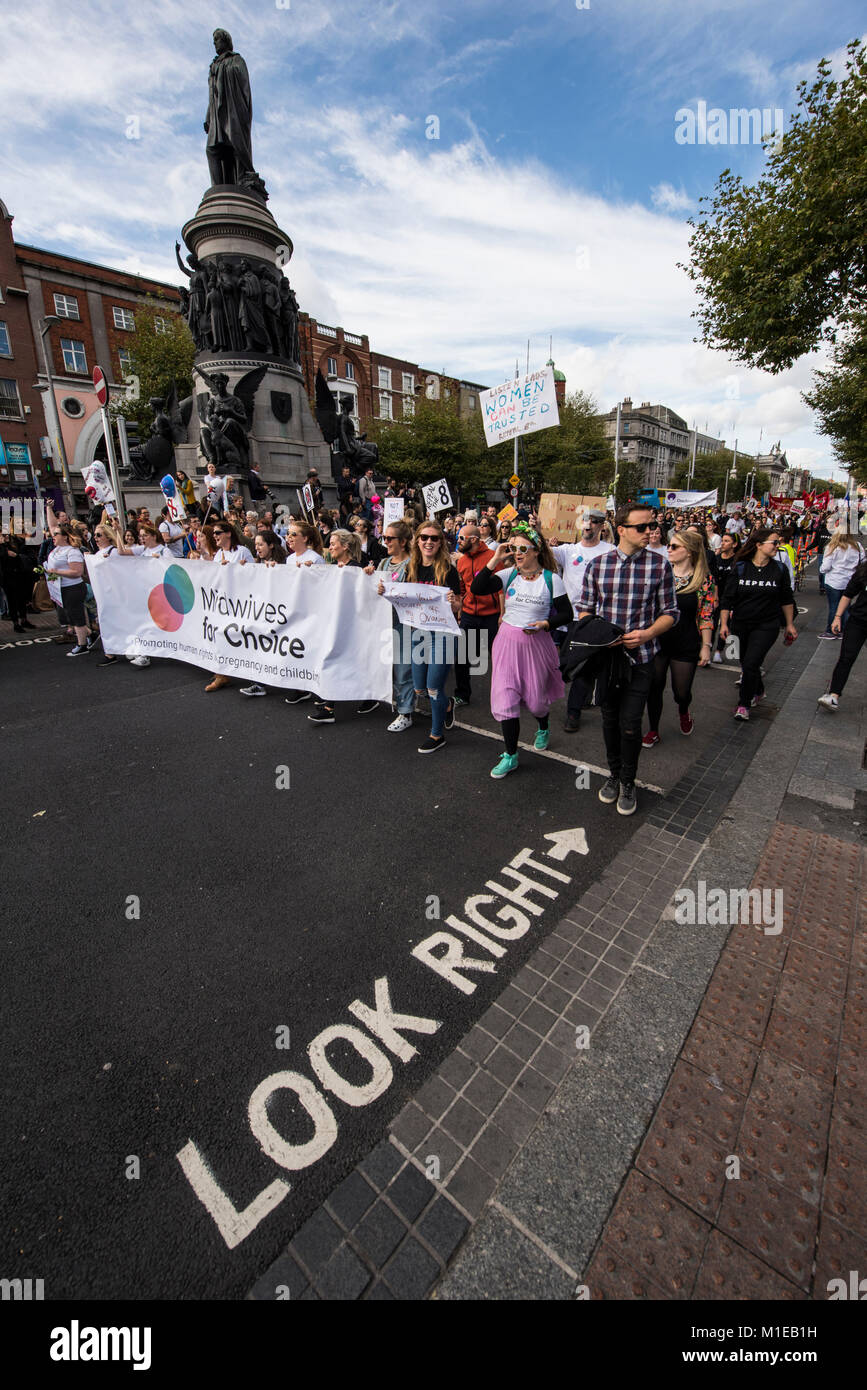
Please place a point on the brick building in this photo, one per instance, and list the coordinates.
(23, 433)
(94, 306)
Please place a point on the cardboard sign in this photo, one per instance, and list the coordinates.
(507, 514)
(437, 497)
(392, 510)
(519, 407)
(308, 498)
(560, 512)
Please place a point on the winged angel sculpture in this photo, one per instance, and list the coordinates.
(226, 418)
(337, 426)
(157, 455)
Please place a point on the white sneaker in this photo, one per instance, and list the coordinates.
(829, 701)
(397, 726)
(139, 661)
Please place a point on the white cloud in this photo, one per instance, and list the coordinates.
(670, 199)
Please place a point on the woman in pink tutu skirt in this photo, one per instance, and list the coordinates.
(525, 664)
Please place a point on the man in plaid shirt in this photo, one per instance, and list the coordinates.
(633, 588)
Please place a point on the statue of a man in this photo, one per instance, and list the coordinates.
(230, 114)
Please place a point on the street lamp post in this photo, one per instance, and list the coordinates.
(47, 324)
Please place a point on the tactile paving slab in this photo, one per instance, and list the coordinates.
(688, 1164)
(658, 1235)
(784, 1153)
(740, 995)
(729, 1271)
(608, 1276)
(782, 1090)
(721, 1055)
(775, 1223)
(813, 1049)
(694, 1103)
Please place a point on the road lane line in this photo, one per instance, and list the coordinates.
(560, 757)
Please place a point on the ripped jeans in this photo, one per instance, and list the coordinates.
(431, 677)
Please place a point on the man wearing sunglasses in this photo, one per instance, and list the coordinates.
(633, 588)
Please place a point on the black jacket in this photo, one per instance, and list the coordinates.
(585, 652)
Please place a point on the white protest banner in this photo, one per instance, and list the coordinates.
(392, 510)
(424, 606)
(519, 407)
(437, 497)
(55, 590)
(691, 499)
(322, 629)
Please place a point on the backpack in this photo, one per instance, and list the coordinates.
(549, 580)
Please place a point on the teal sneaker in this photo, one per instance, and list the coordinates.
(508, 762)
(541, 739)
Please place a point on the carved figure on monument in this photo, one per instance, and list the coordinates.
(252, 318)
(229, 284)
(219, 328)
(272, 306)
(289, 316)
(229, 119)
(194, 307)
(226, 419)
(338, 428)
(169, 427)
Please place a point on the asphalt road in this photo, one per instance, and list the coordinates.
(132, 1029)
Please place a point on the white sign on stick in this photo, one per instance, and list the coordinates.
(392, 510)
(519, 407)
(437, 497)
(424, 606)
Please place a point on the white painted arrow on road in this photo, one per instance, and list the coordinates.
(567, 842)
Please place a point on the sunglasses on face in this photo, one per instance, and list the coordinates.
(640, 528)
(522, 549)
(429, 540)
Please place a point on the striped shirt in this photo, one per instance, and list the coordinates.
(631, 591)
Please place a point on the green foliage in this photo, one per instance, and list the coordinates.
(437, 443)
(839, 397)
(782, 266)
(157, 359)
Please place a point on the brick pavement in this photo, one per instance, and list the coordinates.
(750, 1181)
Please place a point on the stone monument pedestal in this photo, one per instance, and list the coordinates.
(231, 235)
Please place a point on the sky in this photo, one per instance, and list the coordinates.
(457, 178)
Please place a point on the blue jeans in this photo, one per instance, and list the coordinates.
(431, 677)
(834, 596)
(401, 673)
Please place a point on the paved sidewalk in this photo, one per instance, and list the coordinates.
(627, 1188)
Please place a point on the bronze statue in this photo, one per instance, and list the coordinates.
(251, 317)
(339, 430)
(226, 419)
(230, 114)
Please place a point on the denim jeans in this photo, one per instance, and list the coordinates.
(834, 596)
(431, 677)
(401, 672)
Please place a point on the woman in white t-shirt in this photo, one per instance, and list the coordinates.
(270, 552)
(305, 545)
(524, 663)
(228, 552)
(215, 491)
(65, 566)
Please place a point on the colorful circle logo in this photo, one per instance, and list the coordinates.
(171, 600)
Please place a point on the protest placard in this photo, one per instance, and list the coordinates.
(520, 406)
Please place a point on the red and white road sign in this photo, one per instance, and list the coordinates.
(100, 385)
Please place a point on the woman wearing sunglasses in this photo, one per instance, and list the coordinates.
(686, 646)
(433, 653)
(525, 666)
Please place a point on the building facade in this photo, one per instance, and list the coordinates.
(653, 436)
(25, 447)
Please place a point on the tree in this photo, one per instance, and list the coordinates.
(574, 457)
(782, 267)
(839, 398)
(434, 442)
(161, 351)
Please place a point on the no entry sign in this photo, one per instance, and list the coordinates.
(100, 385)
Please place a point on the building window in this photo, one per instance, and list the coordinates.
(350, 371)
(626, 428)
(332, 366)
(66, 305)
(384, 405)
(161, 326)
(408, 406)
(72, 406)
(447, 393)
(5, 345)
(408, 383)
(74, 359)
(10, 401)
(471, 400)
(123, 318)
(125, 358)
(385, 378)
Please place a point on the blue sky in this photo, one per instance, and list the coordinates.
(553, 202)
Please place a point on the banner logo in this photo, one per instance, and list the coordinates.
(170, 601)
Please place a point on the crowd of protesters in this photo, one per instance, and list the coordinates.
(637, 602)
